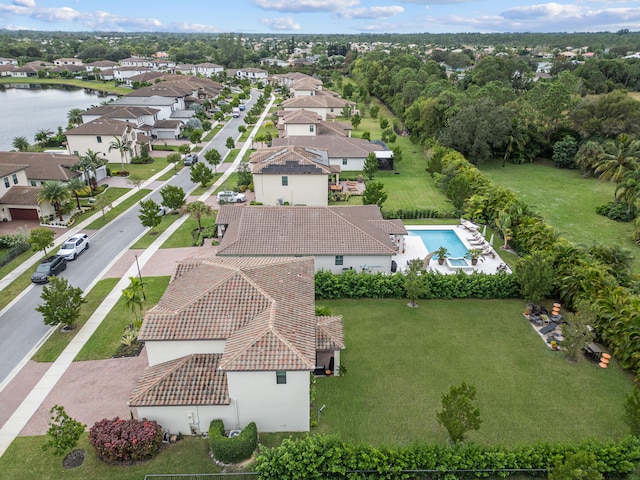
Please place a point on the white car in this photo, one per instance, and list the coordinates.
(74, 246)
(229, 196)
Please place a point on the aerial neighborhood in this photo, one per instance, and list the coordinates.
(394, 246)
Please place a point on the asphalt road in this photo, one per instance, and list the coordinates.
(22, 327)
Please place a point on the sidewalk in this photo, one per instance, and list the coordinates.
(97, 372)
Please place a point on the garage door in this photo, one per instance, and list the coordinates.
(24, 213)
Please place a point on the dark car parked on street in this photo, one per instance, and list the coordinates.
(191, 159)
(48, 267)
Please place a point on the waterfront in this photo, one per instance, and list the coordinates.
(26, 109)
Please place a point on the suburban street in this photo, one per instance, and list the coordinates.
(22, 328)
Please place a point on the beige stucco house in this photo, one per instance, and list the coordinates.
(235, 339)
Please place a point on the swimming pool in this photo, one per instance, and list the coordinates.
(434, 239)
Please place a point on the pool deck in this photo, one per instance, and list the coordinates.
(414, 248)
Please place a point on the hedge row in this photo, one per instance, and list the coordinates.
(416, 213)
(331, 286)
(232, 449)
(320, 456)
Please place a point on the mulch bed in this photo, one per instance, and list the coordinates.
(74, 459)
(129, 351)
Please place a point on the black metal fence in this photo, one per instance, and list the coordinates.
(13, 253)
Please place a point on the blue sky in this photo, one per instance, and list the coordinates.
(321, 16)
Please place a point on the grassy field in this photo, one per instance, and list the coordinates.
(104, 342)
(567, 201)
(400, 361)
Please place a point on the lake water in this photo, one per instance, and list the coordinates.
(26, 109)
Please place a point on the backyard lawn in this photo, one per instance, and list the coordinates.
(567, 201)
(401, 360)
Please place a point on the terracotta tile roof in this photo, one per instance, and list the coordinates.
(297, 117)
(43, 165)
(101, 126)
(330, 334)
(9, 168)
(336, 146)
(121, 111)
(290, 161)
(190, 380)
(263, 307)
(392, 227)
(284, 230)
(18, 195)
(316, 101)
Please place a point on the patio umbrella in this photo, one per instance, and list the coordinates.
(491, 240)
(484, 230)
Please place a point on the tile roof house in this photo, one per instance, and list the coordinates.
(326, 106)
(21, 177)
(339, 238)
(295, 175)
(235, 339)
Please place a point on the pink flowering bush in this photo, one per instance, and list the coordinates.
(121, 440)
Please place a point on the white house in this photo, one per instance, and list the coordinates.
(235, 339)
(295, 175)
(323, 105)
(98, 135)
(339, 238)
(207, 69)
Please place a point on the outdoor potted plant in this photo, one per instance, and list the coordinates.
(474, 254)
(441, 253)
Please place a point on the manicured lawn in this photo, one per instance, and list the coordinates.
(567, 201)
(142, 170)
(25, 459)
(57, 342)
(104, 342)
(111, 213)
(150, 237)
(111, 193)
(182, 236)
(400, 361)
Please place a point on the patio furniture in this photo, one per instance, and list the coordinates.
(549, 328)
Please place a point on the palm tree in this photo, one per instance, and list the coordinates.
(122, 147)
(197, 210)
(42, 136)
(134, 296)
(628, 190)
(76, 185)
(587, 156)
(618, 157)
(20, 143)
(55, 193)
(74, 116)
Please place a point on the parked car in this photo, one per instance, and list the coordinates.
(235, 112)
(74, 246)
(191, 159)
(241, 107)
(229, 196)
(48, 267)
(162, 211)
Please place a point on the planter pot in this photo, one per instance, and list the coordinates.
(441, 261)
(474, 261)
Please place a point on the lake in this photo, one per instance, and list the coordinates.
(26, 109)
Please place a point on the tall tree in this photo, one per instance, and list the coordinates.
(374, 194)
(370, 165)
(122, 147)
(76, 185)
(20, 143)
(213, 157)
(174, 158)
(74, 116)
(42, 137)
(459, 414)
(134, 297)
(618, 157)
(535, 274)
(148, 215)
(61, 303)
(56, 193)
(198, 210)
(172, 197)
(201, 174)
(41, 238)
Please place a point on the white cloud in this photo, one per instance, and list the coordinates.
(437, 2)
(300, 6)
(25, 3)
(281, 23)
(371, 12)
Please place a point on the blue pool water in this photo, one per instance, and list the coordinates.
(434, 239)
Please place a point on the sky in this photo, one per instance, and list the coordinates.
(320, 16)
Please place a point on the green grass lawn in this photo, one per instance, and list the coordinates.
(567, 201)
(401, 360)
(182, 236)
(25, 459)
(112, 213)
(141, 170)
(111, 193)
(105, 341)
(93, 85)
(151, 236)
(58, 341)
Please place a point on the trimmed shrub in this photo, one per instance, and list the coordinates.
(120, 440)
(232, 449)
(618, 211)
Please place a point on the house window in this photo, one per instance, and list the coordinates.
(14, 177)
(99, 139)
(281, 377)
(311, 128)
(6, 182)
(33, 183)
(75, 152)
(339, 260)
(344, 161)
(285, 181)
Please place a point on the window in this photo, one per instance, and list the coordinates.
(339, 260)
(99, 139)
(285, 181)
(281, 377)
(75, 152)
(6, 182)
(14, 177)
(311, 128)
(33, 183)
(344, 161)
